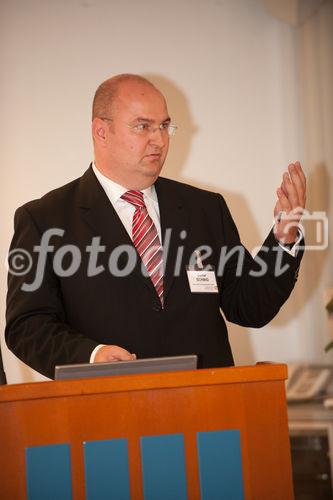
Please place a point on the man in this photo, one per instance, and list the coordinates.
(118, 256)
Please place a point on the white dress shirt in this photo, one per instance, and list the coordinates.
(124, 209)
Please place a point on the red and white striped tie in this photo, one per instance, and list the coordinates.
(146, 240)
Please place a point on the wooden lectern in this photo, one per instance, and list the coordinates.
(210, 434)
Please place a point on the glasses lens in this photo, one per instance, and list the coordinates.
(172, 130)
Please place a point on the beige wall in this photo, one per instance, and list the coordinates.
(241, 85)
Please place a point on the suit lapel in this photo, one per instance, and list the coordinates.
(174, 220)
(101, 217)
(98, 212)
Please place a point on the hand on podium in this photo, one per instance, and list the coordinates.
(108, 353)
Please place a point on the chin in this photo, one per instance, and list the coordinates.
(147, 178)
(152, 170)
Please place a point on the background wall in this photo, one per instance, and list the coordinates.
(249, 92)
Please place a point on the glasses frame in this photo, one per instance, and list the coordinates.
(172, 129)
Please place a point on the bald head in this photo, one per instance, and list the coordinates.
(109, 90)
(130, 131)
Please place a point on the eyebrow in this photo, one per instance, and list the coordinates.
(148, 120)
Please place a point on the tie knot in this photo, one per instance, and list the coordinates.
(134, 197)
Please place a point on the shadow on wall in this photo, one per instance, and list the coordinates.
(179, 111)
(313, 262)
(181, 144)
(318, 200)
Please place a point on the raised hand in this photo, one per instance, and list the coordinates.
(290, 204)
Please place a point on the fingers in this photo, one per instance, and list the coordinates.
(292, 192)
(120, 354)
(291, 201)
(301, 174)
(283, 199)
(277, 208)
(297, 178)
(113, 353)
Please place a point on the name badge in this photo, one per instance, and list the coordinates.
(202, 281)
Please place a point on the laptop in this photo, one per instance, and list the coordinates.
(149, 365)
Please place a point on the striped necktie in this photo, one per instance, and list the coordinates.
(146, 240)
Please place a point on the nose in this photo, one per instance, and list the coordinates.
(159, 137)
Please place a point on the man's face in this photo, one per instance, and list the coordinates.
(136, 147)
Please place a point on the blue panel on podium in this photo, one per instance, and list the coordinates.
(48, 472)
(106, 466)
(220, 465)
(163, 466)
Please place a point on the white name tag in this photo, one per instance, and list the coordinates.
(202, 281)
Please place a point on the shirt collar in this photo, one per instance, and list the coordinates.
(115, 191)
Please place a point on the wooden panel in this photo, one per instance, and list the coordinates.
(249, 399)
(232, 375)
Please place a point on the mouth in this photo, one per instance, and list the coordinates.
(154, 156)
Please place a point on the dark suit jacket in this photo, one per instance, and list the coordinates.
(67, 317)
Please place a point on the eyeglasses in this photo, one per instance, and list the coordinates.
(146, 128)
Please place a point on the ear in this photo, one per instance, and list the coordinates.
(99, 131)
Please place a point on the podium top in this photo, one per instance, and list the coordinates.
(260, 372)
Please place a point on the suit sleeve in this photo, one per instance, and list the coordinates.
(254, 289)
(36, 327)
